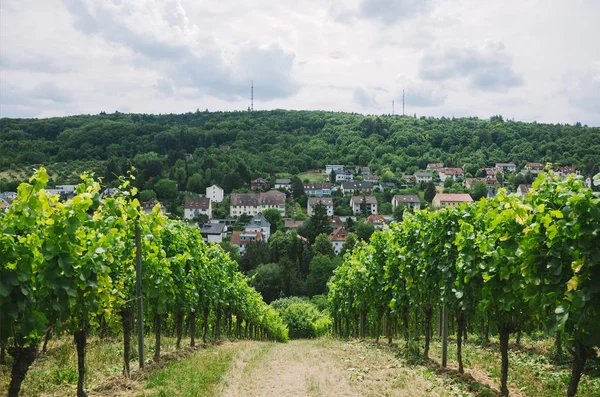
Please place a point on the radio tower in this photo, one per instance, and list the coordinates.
(403, 101)
(252, 96)
(392, 107)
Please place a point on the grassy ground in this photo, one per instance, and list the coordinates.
(55, 373)
(320, 367)
(312, 176)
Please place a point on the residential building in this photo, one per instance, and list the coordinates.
(314, 201)
(318, 189)
(534, 168)
(523, 189)
(193, 207)
(410, 180)
(490, 173)
(490, 183)
(213, 232)
(361, 203)
(4, 204)
(292, 224)
(258, 184)
(353, 188)
(253, 203)
(67, 189)
(453, 173)
(241, 239)
(335, 168)
(507, 166)
(567, 171)
(149, 205)
(338, 237)
(344, 176)
(336, 222)
(442, 200)
(435, 166)
(383, 185)
(363, 170)
(215, 193)
(371, 178)
(411, 201)
(9, 195)
(283, 183)
(260, 224)
(378, 221)
(423, 177)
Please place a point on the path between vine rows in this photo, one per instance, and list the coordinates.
(326, 368)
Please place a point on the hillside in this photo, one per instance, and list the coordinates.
(230, 148)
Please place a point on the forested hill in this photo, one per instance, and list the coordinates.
(241, 145)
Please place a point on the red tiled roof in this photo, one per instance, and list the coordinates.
(453, 197)
(338, 234)
(236, 237)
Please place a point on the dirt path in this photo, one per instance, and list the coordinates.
(325, 368)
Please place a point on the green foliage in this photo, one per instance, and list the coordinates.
(478, 190)
(323, 246)
(304, 320)
(321, 269)
(266, 279)
(166, 189)
(147, 195)
(364, 231)
(429, 192)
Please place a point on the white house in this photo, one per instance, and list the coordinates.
(319, 189)
(197, 206)
(314, 201)
(284, 183)
(215, 193)
(534, 168)
(354, 188)
(442, 200)
(337, 238)
(344, 176)
(333, 167)
(260, 224)
(507, 166)
(359, 202)
(254, 203)
(411, 201)
(453, 173)
(423, 177)
(213, 232)
(241, 239)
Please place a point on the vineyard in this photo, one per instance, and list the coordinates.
(74, 267)
(506, 265)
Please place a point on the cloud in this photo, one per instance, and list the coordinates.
(391, 11)
(16, 101)
(34, 63)
(51, 92)
(183, 58)
(364, 98)
(487, 69)
(135, 26)
(584, 92)
(418, 93)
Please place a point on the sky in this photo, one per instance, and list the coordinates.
(524, 59)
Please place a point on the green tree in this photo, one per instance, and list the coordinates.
(274, 217)
(166, 189)
(297, 187)
(256, 253)
(364, 231)
(323, 246)
(321, 269)
(349, 243)
(479, 190)
(266, 279)
(429, 192)
(399, 212)
(147, 195)
(195, 183)
(318, 223)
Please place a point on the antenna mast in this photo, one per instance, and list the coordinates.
(252, 96)
(403, 101)
(392, 107)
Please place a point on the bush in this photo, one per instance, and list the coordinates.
(303, 318)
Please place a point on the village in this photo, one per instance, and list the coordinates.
(347, 195)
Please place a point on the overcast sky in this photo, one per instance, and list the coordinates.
(525, 59)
